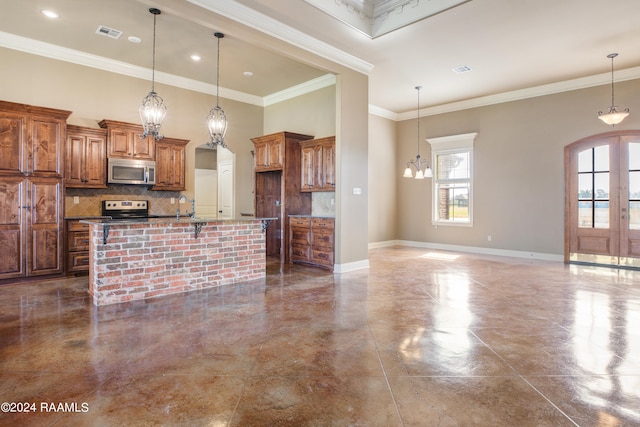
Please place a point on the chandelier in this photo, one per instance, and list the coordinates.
(418, 163)
(153, 110)
(216, 120)
(613, 116)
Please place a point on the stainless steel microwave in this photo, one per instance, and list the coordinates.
(131, 171)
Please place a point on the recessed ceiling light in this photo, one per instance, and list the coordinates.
(462, 69)
(248, 74)
(195, 57)
(51, 14)
(134, 39)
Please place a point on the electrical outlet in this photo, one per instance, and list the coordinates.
(76, 200)
(173, 200)
(489, 238)
(357, 190)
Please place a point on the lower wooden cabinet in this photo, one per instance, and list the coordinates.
(77, 254)
(312, 240)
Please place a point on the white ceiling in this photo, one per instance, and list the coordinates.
(511, 46)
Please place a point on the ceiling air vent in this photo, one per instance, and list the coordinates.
(109, 32)
(462, 69)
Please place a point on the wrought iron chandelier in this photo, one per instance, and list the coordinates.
(217, 120)
(613, 116)
(153, 110)
(418, 163)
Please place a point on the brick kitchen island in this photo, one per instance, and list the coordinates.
(133, 260)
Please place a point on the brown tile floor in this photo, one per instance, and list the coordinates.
(419, 339)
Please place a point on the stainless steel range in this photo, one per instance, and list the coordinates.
(126, 209)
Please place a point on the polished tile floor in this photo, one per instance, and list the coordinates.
(419, 339)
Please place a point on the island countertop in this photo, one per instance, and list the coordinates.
(170, 220)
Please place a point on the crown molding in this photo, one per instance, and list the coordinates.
(517, 95)
(306, 87)
(381, 112)
(265, 24)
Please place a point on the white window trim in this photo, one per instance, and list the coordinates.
(446, 145)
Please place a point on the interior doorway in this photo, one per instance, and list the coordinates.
(214, 192)
(602, 188)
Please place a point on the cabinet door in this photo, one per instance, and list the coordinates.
(260, 157)
(308, 169)
(170, 166)
(74, 162)
(143, 148)
(44, 152)
(12, 136)
(95, 169)
(329, 166)
(44, 226)
(275, 154)
(120, 144)
(12, 227)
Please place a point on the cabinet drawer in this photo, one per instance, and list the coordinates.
(77, 226)
(323, 239)
(299, 222)
(323, 257)
(300, 253)
(78, 261)
(300, 236)
(324, 223)
(77, 241)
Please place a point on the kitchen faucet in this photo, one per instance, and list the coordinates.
(183, 199)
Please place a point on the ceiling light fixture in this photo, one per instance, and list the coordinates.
(418, 162)
(153, 110)
(216, 120)
(52, 14)
(613, 116)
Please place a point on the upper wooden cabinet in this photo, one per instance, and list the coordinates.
(170, 169)
(123, 141)
(85, 158)
(270, 150)
(318, 160)
(31, 139)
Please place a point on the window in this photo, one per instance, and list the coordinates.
(452, 179)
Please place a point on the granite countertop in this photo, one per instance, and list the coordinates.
(313, 216)
(169, 220)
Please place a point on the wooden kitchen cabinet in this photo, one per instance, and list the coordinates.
(312, 240)
(85, 158)
(277, 187)
(170, 168)
(123, 141)
(31, 190)
(318, 164)
(77, 247)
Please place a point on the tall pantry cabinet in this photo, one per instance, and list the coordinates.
(31, 190)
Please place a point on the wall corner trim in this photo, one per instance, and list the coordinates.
(351, 266)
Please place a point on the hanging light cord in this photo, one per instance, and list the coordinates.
(219, 36)
(418, 139)
(612, 98)
(153, 61)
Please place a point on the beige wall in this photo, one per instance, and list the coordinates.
(383, 179)
(518, 189)
(94, 95)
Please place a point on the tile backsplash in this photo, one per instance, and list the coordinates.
(90, 200)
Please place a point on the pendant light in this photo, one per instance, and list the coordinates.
(418, 162)
(153, 110)
(216, 120)
(613, 116)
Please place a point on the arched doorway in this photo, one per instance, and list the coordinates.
(602, 192)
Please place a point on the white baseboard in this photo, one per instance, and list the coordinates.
(351, 266)
(470, 249)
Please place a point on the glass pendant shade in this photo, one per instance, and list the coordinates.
(408, 173)
(419, 174)
(152, 114)
(613, 117)
(428, 173)
(217, 125)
